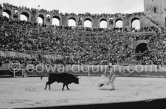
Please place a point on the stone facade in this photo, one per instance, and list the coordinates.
(156, 11)
(147, 18)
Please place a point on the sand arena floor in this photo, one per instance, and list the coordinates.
(29, 92)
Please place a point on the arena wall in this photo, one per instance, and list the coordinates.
(90, 70)
(47, 16)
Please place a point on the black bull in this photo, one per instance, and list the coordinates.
(64, 78)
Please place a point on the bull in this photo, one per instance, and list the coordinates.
(64, 78)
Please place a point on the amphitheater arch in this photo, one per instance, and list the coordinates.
(103, 23)
(7, 13)
(56, 20)
(136, 23)
(40, 19)
(88, 23)
(24, 16)
(141, 46)
(72, 22)
(119, 23)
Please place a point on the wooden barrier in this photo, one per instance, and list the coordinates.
(88, 70)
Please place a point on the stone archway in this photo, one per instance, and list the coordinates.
(141, 48)
(119, 23)
(56, 20)
(6, 13)
(88, 23)
(25, 16)
(103, 23)
(136, 23)
(41, 19)
(72, 22)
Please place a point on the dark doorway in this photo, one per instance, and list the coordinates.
(142, 48)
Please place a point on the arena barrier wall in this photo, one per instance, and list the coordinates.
(89, 70)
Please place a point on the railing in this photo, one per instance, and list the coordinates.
(98, 70)
(34, 54)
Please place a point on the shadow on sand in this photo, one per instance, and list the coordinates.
(156, 103)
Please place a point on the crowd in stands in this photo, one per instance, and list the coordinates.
(80, 45)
